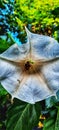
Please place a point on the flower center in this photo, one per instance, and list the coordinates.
(27, 65)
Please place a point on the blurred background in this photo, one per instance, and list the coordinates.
(41, 17)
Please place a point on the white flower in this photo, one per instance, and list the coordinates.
(30, 72)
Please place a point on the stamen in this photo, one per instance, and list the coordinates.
(27, 65)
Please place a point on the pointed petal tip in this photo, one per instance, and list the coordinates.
(56, 97)
(12, 100)
(27, 31)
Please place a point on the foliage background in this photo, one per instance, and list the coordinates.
(42, 17)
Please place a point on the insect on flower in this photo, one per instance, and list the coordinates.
(30, 72)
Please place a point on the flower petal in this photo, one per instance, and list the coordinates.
(15, 52)
(10, 75)
(33, 90)
(29, 88)
(51, 74)
(43, 47)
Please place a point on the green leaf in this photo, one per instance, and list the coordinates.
(51, 101)
(57, 121)
(49, 123)
(23, 116)
(2, 91)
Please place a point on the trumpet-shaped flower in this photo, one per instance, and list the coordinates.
(30, 72)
